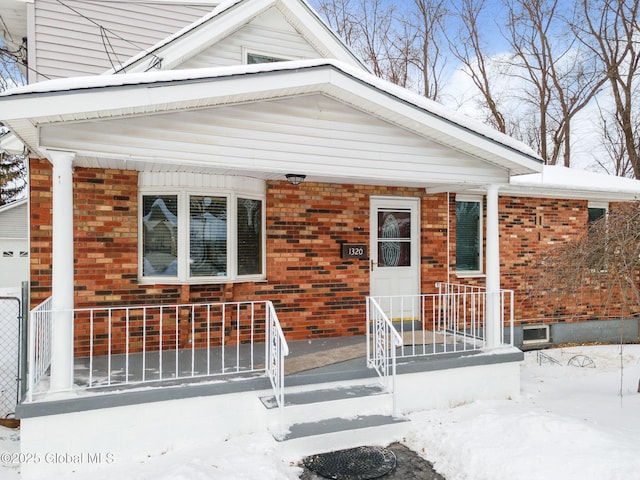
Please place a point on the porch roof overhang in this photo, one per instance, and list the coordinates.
(32, 111)
(556, 181)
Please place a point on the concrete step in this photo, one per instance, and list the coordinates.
(307, 406)
(305, 397)
(338, 433)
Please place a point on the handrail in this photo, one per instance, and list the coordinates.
(451, 321)
(40, 337)
(276, 349)
(381, 347)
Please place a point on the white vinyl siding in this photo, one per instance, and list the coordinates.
(269, 34)
(69, 45)
(14, 222)
(314, 133)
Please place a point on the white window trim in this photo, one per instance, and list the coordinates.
(232, 188)
(246, 51)
(464, 197)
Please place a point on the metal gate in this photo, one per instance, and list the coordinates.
(10, 317)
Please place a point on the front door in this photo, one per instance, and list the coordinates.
(395, 246)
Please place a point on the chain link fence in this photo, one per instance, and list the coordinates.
(10, 318)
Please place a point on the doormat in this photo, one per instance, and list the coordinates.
(323, 358)
(360, 463)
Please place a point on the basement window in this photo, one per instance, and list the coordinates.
(535, 334)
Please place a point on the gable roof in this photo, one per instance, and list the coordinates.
(26, 109)
(229, 17)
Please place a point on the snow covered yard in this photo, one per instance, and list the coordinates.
(569, 423)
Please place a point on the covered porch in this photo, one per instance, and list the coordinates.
(311, 395)
(129, 347)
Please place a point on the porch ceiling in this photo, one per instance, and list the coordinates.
(189, 120)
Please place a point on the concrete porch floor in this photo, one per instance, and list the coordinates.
(314, 361)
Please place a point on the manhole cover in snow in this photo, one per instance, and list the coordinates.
(360, 463)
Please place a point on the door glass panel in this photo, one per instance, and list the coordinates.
(394, 238)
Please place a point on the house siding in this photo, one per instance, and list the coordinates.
(269, 34)
(315, 292)
(69, 42)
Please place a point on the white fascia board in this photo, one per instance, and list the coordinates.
(563, 182)
(323, 37)
(139, 94)
(153, 97)
(205, 32)
(422, 121)
(197, 37)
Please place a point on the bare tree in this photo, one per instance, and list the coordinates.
(12, 60)
(468, 47)
(610, 29)
(369, 27)
(563, 77)
(617, 161)
(426, 21)
(340, 16)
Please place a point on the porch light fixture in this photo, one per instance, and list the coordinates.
(295, 178)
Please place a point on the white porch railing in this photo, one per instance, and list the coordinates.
(136, 345)
(39, 353)
(382, 342)
(276, 349)
(451, 321)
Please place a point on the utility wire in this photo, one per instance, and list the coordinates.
(105, 40)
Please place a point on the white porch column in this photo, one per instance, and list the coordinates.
(493, 323)
(62, 271)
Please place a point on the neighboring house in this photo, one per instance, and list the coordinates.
(14, 244)
(251, 156)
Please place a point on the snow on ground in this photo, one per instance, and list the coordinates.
(568, 423)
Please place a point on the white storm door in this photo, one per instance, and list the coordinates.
(395, 246)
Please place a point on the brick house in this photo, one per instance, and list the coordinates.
(246, 154)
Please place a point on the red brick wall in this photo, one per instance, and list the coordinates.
(316, 293)
(529, 227)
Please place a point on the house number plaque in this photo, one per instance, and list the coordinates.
(353, 250)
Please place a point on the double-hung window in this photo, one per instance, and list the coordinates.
(468, 235)
(202, 235)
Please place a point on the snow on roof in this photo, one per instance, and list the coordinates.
(560, 177)
(220, 8)
(146, 78)
(218, 11)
